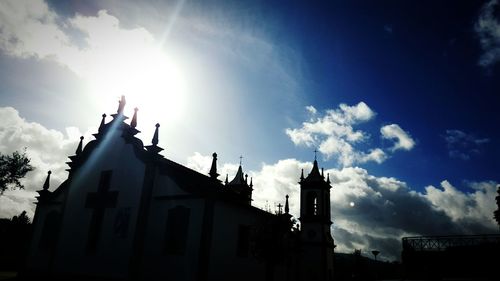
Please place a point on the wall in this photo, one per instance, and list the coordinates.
(113, 251)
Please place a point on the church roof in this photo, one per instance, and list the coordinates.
(186, 178)
(239, 179)
(314, 175)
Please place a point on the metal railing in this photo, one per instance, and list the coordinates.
(441, 243)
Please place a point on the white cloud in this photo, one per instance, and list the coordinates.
(311, 109)
(376, 155)
(29, 28)
(202, 163)
(385, 208)
(402, 139)
(24, 24)
(488, 29)
(48, 150)
(468, 208)
(335, 136)
(463, 145)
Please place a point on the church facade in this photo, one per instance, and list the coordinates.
(127, 213)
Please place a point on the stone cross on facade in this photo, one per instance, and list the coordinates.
(98, 202)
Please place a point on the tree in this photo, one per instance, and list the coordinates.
(21, 219)
(497, 212)
(13, 168)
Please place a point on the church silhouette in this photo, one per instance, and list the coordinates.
(125, 212)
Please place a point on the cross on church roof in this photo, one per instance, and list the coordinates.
(241, 158)
(315, 152)
(280, 207)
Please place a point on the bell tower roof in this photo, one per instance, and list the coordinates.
(314, 175)
(239, 179)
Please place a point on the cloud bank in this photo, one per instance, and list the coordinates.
(371, 212)
(48, 150)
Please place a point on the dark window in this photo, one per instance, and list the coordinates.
(243, 241)
(176, 232)
(312, 204)
(48, 237)
(122, 220)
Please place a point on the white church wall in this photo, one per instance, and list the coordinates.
(224, 261)
(112, 254)
(39, 255)
(158, 264)
(166, 186)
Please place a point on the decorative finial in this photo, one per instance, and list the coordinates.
(241, 158)
(328, 178)
(226, 181)
(315, 152)
(246, 178)
(121, 105)
(302, 175)
(80, 147)
(47, 181)
(133, 123)
(154, 141)
(251, 182)
(213, 170)
(103, 122)
(323, 172)
(287, 208)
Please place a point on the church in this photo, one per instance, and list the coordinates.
(125, 212)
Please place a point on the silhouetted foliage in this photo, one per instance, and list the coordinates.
(15, 235)
(21, 219)
(497, 212)
(275, 241)
(355, 266)
(13, 168)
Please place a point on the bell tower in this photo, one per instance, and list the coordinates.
(315, 220)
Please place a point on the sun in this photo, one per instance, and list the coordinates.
(149, 79)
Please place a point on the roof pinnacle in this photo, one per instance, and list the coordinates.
(121, 105)
(47, 181)
(103, 122)
(287, 208)
(80, 147)
(133, 123)
(213, 169)
(154, 141)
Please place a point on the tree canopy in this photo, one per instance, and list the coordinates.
(12, 169)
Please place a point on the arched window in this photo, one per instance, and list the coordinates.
(176, 232)
(50, 228)
(315, 206)
(312, 203)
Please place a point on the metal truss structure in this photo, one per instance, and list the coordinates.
(441, 243)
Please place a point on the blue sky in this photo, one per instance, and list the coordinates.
(392, 94)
